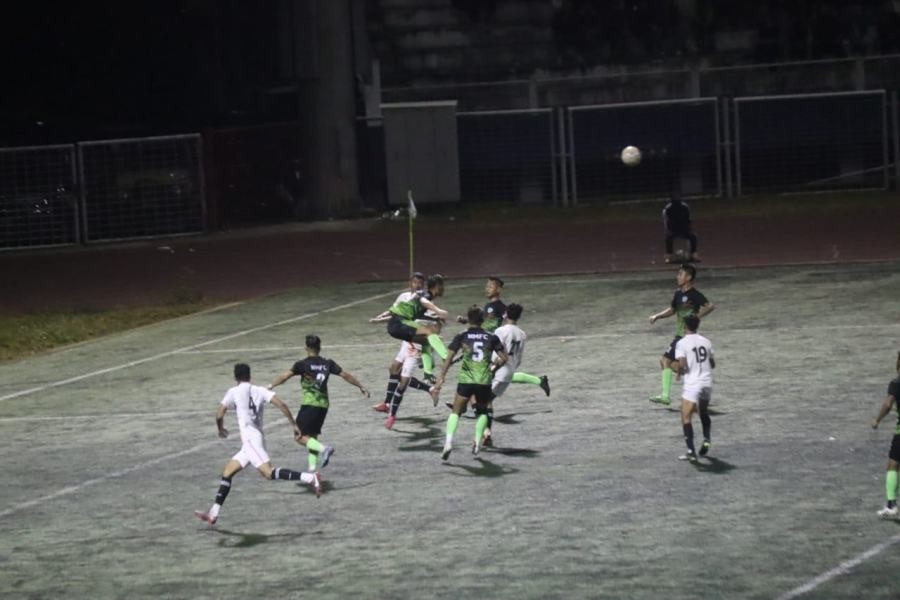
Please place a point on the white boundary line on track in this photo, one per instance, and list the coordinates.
(224, 338)
(842, 569)
(285, 348)
(106, 417)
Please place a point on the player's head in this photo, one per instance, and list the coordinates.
(514, 312)
(493, 287)
(417, 281)
(692, 323)
(436, 284)
(475, 315)
(675, 197)
(242, 372)
(686, 274)
(313, 343)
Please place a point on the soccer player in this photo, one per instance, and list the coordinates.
(494, 312)
(314, 371)
(249, 401)
(694, 357)
(687, 301)
(677, 218)
(890, 511)
(405, 324)
(475, 375)
(513, 339)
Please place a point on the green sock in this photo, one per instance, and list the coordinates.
(526, 378)
(667, 376)
(452, 424)
(312, 460)
(314, 445)
(481, 425)
(438, 344)
(427, 363)
(890, 485)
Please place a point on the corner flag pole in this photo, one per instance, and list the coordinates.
(411, 211)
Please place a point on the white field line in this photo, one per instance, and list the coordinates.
(285, 348)
(224, 338)
(842, 569)
(108, 416)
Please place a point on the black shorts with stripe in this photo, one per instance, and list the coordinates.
(310, 419)
(482, 393)
(895, 448)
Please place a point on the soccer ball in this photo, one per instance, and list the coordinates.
(631, 156)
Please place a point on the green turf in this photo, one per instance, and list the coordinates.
(582, 498)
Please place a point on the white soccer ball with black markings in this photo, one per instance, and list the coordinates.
(631, 156)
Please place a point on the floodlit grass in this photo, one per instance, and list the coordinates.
(29, 334)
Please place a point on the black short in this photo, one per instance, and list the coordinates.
(310, 419)
(670, 353)
(400, 330)
(482, 393)
(895, 448)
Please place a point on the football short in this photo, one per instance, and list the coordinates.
(482, 393)
(502, 379)
(408, 356)
(895, 448)
(400, 329)
(310, 419)
(696, 393)
(253, 450)
(670, 352)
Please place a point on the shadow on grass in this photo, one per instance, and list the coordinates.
(523, 452)
(328, 487)
(236, 539)
(427, 439)
(677, 409)
(510, 419)
(711, 464)
(486, 469)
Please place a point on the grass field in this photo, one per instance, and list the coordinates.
(111, 445)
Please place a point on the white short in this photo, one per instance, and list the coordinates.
(253, 450)
(502, 379)
(696, 393)
(408, 356)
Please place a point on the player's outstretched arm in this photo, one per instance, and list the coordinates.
(385, 316)
(220, 421)
(353, 381)
(281, 379)
(440, 312)
(886, 407)
(662, 315)
(287, 413)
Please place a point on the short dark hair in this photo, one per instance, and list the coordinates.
(475, 315)
(496, 280)
(418, 275)
(314, 342)
(692, 322)
(514, 312)
(689, 269)
(435, 279)
(242, 372)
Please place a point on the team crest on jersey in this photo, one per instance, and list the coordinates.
(684, 298)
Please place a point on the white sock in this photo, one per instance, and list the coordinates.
(307, 477)
(214, 511)
(449, 441)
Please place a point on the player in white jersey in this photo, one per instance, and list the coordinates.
(513, 339)
(249, 401)
(694, 358)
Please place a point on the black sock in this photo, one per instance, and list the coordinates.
(418, 385)
(891, 503)
(689, 436)
(393, 380)
(490, 416)
(395, 403)
(224, 488)
(707, 424)
(286, 474)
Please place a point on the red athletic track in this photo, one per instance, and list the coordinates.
(234, 266)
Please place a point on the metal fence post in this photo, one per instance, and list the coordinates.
(563, 177)
(726, 142)
(896, 130)
(737, 148)
(570, 138)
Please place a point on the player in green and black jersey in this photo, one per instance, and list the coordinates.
(314, 371)
(410, 323)
(890, 511)
(687, 301)
(475, 376)
(494, 313)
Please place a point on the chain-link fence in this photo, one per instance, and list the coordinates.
(38, 199)
(506, 156)
(141, 187)
(811, 142)
(678, 140)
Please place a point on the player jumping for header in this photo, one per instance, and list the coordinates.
(405, 324)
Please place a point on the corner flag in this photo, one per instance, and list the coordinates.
(411, 210)
(412, 206)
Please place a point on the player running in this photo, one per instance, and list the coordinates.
(687, 301)
(890, 510)
(314, 371)
(694, 357)
(513, 339)
(249, 401)
(475, 375)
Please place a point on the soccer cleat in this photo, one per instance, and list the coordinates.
(660, 400)
(317, 484)
(704, 447)
(889, 513)
(446, 453)
(389, 422)
(327, 451)
(545, 385)
(383, 407)
(488, 440)
(688, 456)
(206, 518)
